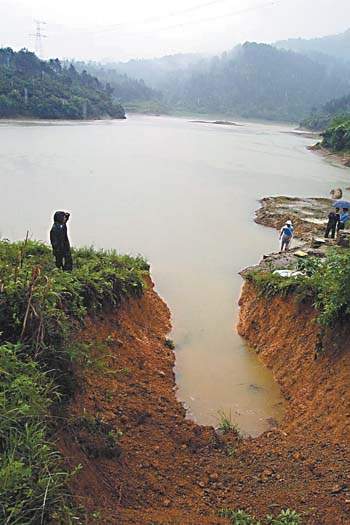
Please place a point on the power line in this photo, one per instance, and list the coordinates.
(196, 21)
(221, 17)
(39, 35)
(162, 17)
(227, 15)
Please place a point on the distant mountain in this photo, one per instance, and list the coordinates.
(256, 81)
(125, 89)
(30, 87)
(337, 46)
(155, 71)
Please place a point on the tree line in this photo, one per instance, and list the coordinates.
(30, 87)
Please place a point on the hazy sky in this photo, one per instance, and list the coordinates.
(123, 29)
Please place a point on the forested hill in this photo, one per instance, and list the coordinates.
(336, 46)
(251, 81)
(30, 87)
(257, 81)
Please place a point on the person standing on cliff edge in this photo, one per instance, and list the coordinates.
(286, 235)
(60, 242)
(333, 221)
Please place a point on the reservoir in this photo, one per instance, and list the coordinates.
(183, 194)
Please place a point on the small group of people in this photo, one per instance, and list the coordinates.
(60, 242)
(336, 221)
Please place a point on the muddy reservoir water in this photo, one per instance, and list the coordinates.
(183, 194)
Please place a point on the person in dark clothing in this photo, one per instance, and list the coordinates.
(333, 221)
(60, 242)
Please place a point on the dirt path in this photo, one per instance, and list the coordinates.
(166, 470)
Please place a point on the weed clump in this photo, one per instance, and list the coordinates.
(226, 424)
(169, 343)
(240, 517)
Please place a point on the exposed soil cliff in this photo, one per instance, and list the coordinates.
(285, 334)
(167, 470)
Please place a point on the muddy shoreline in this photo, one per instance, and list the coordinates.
(339, 159)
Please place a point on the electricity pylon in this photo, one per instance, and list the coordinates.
(39, 35)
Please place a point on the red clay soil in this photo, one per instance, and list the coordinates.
(167, 470)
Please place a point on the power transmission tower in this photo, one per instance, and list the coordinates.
(39, 35)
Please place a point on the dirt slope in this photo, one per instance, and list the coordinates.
(167, 470)
(285, 334)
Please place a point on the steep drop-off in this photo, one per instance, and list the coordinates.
(167, 470)
(285, 333)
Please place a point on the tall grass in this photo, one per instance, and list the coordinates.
(40, 308)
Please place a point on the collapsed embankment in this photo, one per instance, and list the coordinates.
(167, 470)
(285, 333)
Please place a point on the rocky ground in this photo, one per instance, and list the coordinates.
(309, 216)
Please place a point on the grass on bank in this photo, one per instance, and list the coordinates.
(40, 309)
(326, 282)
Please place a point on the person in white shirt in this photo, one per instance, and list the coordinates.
(286, 236)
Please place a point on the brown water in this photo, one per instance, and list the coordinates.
(183, 194)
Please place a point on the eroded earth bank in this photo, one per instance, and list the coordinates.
(164, 469)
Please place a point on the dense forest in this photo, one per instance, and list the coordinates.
(251, 81)
(30, 87)
(322, 118)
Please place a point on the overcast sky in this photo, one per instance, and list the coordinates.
(123, 29)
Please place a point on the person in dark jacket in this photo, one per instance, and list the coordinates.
(333, 221)
(60, 242)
